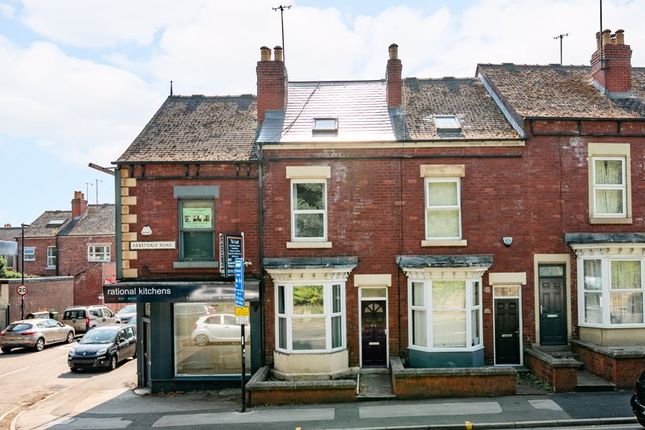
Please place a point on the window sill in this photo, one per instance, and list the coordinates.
(444, 242)
(613, 327)
(195, 265)
(456, 349)
(303, 245)
(610, 221)
(310, 351)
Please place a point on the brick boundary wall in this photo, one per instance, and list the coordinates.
(44, 294)
(559, 374)
(622, 367)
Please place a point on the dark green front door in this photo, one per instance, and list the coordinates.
(553, 311)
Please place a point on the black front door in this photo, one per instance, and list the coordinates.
(553, 315)
(507, 331)
(373, 334)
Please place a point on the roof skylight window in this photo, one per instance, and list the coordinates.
(447, 124)
(325, 125)
(55, 222)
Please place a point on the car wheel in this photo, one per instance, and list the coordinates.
(113, 363)
(641, 421)
(201, 340)
(70, 337)
(6, 349)
(40, 344)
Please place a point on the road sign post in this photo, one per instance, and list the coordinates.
(22, 291)
(239, 306)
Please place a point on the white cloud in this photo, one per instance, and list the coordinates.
(76, 109)
(7, 11)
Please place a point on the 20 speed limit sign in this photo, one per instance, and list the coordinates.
(21, 289)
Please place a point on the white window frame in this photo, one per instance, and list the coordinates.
(606, 290)
(327, 315)
(10, 262)
(92, 255)
(609, 187)
(295, 212)
(31, 255)
(428, 208)
(429, 311)
(51, 258)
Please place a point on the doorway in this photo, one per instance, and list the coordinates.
(146, 355)
(507, 319)
(374, 336)
(553, 310)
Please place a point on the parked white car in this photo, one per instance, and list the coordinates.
(217, 328)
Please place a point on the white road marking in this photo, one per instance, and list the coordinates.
(14, 371)
(545, 404)
(422, 409)
(266, 416)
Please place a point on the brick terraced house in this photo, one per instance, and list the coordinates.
(77, 243)
(451, 223)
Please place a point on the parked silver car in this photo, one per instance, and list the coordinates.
(35, 333)
(128, 315)
(83, 318)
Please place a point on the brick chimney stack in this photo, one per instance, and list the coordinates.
(612, 72)
(272, 82)
(79, 204)
(393, 77)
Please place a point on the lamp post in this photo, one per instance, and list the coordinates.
(22, 266)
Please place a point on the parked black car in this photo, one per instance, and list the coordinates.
(638, 399)
(103, 347)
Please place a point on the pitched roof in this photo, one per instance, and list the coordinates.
(47, 225)
(198, 128)
(98, 220)
(467, 99)
(359, 107)
(560, 91)
(9, 233)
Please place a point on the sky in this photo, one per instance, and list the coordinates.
(79, 79)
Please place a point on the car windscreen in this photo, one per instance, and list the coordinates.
(18, 327)
(78, 314)
(99, 336)
(130, 309)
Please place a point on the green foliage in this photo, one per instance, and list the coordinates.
(7, 274)
(309, 298)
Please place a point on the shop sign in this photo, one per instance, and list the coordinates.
(152, 245)
(178, 292)
(242, 315)
(231, 247)
(196, 218)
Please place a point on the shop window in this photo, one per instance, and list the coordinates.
(196, 230)
(613, 291)
(445, 314)
(207, 339)
(310, 317)
(98, 253)
(308, 209)
(51, 257)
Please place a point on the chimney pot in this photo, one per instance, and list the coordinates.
(265, 54)
(394, 51)
(79, 204)
(620, 37)
(606, 37)
(7, 225)
(277, 53)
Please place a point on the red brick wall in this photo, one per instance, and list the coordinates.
(561, 379)
(88, 284)
(454, 386)
(73, 252)
(236, 210)
(44, 294)
(621, 371)
(38, 267)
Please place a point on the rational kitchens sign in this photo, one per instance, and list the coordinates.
(150, 292)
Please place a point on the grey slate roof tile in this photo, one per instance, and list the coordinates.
(39, 227)
(97, 220)
(561, 91)
(198, 128)
(9, 233)
(478, 115)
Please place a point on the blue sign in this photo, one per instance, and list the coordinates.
(239, 282)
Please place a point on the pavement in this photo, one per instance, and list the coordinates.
(123, 408)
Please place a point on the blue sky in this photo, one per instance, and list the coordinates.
(79, 79)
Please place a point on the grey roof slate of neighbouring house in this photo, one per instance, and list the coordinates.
(429, 261)
(593, 238)
(560, 91)
(9, 233)
(360, 108)
(198, 128)
(48, 225)
(97, 220)
(466, 98)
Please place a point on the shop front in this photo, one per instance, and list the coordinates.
(188, 334)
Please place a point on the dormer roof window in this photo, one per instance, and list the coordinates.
(325, 126)
(55, 223)
(447, 124)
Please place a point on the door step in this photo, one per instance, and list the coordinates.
(587, 381)
(375, 385)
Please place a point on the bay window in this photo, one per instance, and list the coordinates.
(310, 317)
(612, 291)
(445, 314)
